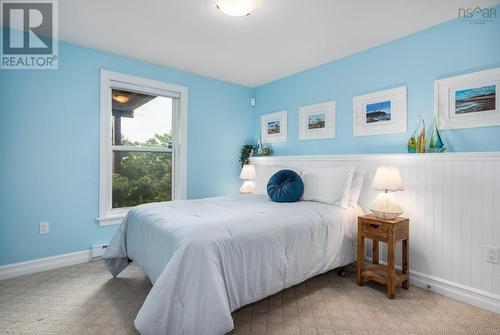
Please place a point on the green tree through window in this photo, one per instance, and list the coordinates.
(145, 176)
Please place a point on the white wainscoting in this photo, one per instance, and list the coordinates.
(452, 201)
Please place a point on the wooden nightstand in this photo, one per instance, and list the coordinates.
(390, 232)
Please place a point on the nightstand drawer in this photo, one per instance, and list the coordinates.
(375, 231)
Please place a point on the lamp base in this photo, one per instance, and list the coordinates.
(386, 207)
(385, 216)
(247, 187)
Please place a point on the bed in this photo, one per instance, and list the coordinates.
(208, 257)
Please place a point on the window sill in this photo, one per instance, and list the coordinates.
(110, 220)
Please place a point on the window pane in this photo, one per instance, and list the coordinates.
(141, 177)
(139, 118)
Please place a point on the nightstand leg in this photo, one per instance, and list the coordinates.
(361, 255)
(391, 271)
(406, 283)
(375, 252)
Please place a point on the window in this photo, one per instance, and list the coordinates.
(143, 140)
(142, 149)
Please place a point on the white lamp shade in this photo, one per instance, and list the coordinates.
(235, 7)
(388, 178)
(248, 172)
(247, 187)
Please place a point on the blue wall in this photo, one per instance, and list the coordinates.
(449, 49)
(49, 131)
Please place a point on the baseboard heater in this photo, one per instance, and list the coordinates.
(96, 251)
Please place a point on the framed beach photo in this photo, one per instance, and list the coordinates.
(468, 101)
(382, 112)
(273, 127)
(317, 121)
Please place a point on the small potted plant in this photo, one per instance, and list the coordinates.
(246, 153)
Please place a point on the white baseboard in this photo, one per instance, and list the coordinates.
(43, 264)
(467, 294)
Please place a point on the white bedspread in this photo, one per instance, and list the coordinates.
(206, 258)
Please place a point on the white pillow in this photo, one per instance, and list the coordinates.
(328, 185)
(264, 173)
(356, 186)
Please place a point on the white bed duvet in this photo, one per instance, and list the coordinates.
(206, 258)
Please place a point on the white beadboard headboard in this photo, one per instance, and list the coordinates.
(450, 199)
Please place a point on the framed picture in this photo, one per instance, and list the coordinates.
(273, 127)
(382, 112)
(468, 101)
(317, 121)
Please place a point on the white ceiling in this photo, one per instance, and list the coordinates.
(279, 38)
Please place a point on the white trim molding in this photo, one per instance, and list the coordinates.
(398, 114)
(43, 264)
(179, 94)
(446, 156)
(445, 100)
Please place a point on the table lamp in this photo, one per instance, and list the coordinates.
(385, 206)
(248, 175)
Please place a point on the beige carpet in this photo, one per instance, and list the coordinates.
(84, 299)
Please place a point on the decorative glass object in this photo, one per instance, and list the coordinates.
(266, 151)
(436, 143)
(258, 147)
(262, 150)
(412, 142)
(421, 140)
(417, 142)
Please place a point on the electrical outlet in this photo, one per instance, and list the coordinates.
(491, 254)
(44, 227)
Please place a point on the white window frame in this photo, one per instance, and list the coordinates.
(114, 80)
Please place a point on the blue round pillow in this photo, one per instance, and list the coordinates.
(285, 186)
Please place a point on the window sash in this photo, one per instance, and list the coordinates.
(140, 149)
(157, 165)
(145, 89)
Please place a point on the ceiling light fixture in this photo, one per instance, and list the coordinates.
(235, 7)
(123, 99)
